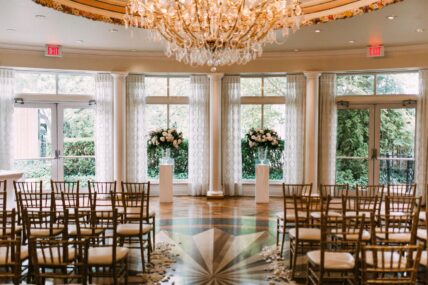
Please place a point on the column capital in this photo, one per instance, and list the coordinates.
(312, 74)
(119, 74)
(215, 76)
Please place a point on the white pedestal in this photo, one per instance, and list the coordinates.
(10, 176)
(262, 183)
(165, 183)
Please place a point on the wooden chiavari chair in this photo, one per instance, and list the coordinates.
(338, 256)
(303, 237)
(25, 187)
(390, 264)
(108, 260)
(335, 191)
(149, 214)
(58, 187)
(45, 224)
(3, 195)
(103, 190)
(87, 227)
(371, 191)
(10, 260)
(402, 190)
(401, 205)
(59, 259)
(287, 216)
(134, 229)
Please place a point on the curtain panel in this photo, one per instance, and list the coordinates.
(104, 127)
(422, 135)
(327, 130)
(294, 147)
(231, 135)
(199, 135)
(136, 132)
(7, 80)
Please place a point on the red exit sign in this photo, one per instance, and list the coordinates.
(53, 51)
(376, 51)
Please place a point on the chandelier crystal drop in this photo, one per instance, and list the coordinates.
(215, 32)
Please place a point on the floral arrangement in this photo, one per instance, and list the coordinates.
(262, 138)
(165, 138)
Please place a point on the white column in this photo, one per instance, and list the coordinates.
(215, 189)
(311, 134)
(119, 125)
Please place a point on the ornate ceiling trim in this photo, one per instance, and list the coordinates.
(316, 11)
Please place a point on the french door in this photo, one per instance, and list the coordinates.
(55, 141)
(375, 144)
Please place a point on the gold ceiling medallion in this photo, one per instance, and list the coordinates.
(217, 32)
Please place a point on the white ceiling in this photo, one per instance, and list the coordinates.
(67, 30)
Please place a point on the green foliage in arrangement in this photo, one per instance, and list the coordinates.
(249, 156)
(180, 157)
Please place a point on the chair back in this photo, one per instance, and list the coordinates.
(41, 201)
(7, 224)
(288, 192)
(11, 260)
(390, 264)
(397, 205)
(3, 195)
(65, 186)
(335, 191)
(130, 196)
(402, 190)
(103, 189)
(45, 224)
(135, 206)
(76, 200)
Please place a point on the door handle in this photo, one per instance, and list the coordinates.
(57, 154)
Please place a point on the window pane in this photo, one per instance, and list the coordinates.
(156, 86)
(79, 169)
(33, 82)
(251, 117)
(397, 171)
(355, 84)
(36, 170)
(397, 83)
(33, 131)
(76, 84)
(179, 86)
(156, 116)
(179, 118)
(352, 171)
(251, 86)
(275, 86)
(274, 117)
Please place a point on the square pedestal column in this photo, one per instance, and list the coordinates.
(165, 183)
(262, 183)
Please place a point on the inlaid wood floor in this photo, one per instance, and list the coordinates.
(218, 241)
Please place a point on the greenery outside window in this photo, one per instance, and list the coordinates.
(167, 107)
(262, 106)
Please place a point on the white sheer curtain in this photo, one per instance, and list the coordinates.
(231, 135)
(294, 148)
(199, 135)
(422, 135)
(104, 127)
(136, 141)
(327, 129)
(7, 80)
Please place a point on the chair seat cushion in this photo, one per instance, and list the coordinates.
(45, 232)
(18, 228)
(5, 259)
(332, 260)
(422, 216)
(291, 217)
(317, 215)
(365, 236)
(133, 229)
(354, 213)
(104, 255)
(72, 231)
(385, 258)
(395, 237)
(309, 234)
(134, 212)
(424, 259)
(422, 234)
(52, 256)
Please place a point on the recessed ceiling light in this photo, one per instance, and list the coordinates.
(80, 41)
(114, 30)
(11, 30)
(419, 30)
(40, 16)
(296, 50)
(133, 50)
(351, 42)
(392, 17)
(317, 31)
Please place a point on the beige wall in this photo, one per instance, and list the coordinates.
(342, 60)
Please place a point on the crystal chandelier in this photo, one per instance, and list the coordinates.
(215, 32)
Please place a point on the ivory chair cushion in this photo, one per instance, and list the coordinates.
(352, 237)
(4, 253)
(309, 234)
(422, 234)
(424, 258)
(45, 232)
(354, 213)
(422, 216)
(51, 256)
(387, 256)
(332, 260)
(317, 215)
(72, 231)
(395, 237)
(134, 212)
(132, 229)
(291, 217)
(104, 255)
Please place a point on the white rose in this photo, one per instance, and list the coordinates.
(251, 144)
(270, 139)
(164, 134)
(179, 141)
(162, 139)
(169, 131)
(268, 134)
(253, 137)
(275, 142)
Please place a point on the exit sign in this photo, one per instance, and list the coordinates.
(376, 51)
(53, 51)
